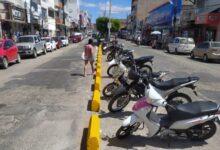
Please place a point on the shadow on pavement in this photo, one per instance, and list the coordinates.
(201, 60)
(156, 142)
(77, 74)
(106, 77)
(84, 139)
(89, 105)
(118, 115)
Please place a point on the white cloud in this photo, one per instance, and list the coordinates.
(87, 4)
(114, 9)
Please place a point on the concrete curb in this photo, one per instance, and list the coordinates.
(93, 139)
(95, 105)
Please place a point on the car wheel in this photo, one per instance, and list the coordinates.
(192, 56)
(34, 53)
(168, 50)
(176, 51)
(205, 58)
(44, 51)
(4, 63)
(18, 59)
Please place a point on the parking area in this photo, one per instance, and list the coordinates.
(208, 88)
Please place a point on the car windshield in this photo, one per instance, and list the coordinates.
(47, 40)
(62, 38)
(215, 44)
(0, 44)
(25, 39)
(187, 41)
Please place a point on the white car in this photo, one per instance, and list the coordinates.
(49, 43)
(181, 45)
(64, 40)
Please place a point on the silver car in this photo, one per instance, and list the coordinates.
(209, 50)
(31, 45)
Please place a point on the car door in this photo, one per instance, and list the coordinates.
(13, 48)
(41, 43)
(205, 48)
(8, 50)
(196, 50)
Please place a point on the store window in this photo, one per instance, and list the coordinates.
(51, 13)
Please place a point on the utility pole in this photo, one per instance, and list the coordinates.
(109, 22)
(105, 9)
(31, 17)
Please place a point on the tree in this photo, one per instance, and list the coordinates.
(102, 22)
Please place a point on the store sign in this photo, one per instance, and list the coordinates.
(18, 14)
(209, 18)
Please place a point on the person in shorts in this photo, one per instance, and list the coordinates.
(88, 56)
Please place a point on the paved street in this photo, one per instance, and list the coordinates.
(179, 66)
(43, 102)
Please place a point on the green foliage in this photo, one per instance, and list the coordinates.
(102, 22)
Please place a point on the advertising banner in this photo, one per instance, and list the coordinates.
(165, 13)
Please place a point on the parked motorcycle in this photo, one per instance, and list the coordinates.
(196, 120)
(127, 60)
(167, 89)
(111, 87)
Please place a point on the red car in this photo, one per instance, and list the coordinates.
(8, 53)
(58, 41)
(75, 38)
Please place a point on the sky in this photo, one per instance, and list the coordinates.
(96, 8)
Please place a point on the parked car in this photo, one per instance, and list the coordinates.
(49, 43)
(77, 37)
(58, 42)
(207, 51)
(181, 45)
(64, 40)
(8, 53)
(31, 45)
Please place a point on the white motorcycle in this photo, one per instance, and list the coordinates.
(195, 120)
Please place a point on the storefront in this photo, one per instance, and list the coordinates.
(12, 18)
(209, 24)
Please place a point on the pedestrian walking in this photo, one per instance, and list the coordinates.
(89, 56)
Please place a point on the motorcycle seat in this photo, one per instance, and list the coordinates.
(194, 109)
(169, 84)
(144, 59)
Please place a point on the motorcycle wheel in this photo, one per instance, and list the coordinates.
(202, 132)
(146, 69)
(110, 57)
(118, 102)
(176, 99)
(108, 89)
(124, 132)
(111, 69)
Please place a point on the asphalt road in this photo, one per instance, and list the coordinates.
(43, 102)
(208, 88)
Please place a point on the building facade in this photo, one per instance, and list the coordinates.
(12, 16)
(140, 10)
(208, 20)
(43, 17)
